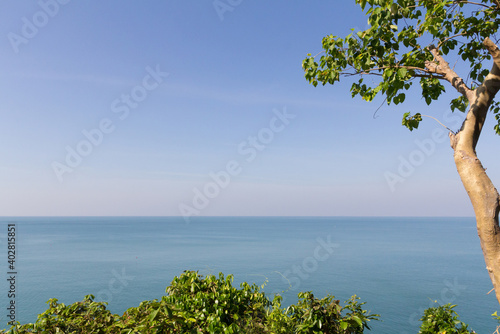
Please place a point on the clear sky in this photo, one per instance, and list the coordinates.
(178, 107)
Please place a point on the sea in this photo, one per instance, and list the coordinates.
(397, 266)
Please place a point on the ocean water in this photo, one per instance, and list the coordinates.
(398, 266)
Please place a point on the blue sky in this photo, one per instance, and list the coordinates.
(155, 98)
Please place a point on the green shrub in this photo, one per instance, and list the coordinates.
(86, 316)
(442, 319)
(196, 304)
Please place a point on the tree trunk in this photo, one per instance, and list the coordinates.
(482, 193)
(485, 200)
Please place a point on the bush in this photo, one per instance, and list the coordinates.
(442, 319)
(195, 304)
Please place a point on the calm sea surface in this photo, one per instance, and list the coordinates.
(398, 266)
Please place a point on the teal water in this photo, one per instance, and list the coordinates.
(396, 265)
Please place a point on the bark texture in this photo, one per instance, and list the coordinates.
(482, 193)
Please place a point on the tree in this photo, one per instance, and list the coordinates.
(411, 40)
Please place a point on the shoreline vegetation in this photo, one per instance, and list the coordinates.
(197, 304)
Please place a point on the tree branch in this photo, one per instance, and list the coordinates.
(434, 118)
(497, 3)
(478, 4)
(447, 39)
(482, 98)
(368, 71)
(441, 66)
(493, 50)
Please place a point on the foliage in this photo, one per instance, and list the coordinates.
(411, 122)
(86, 316)
(442, 319)
(402, 44)
(497, 318)
(325, 315)
(196, 304)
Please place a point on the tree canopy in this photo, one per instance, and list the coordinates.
(407, 41)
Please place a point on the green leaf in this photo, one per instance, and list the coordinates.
(362, 4)
(402, 72)
(358, 321)
(153, 314)
(411, 122)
